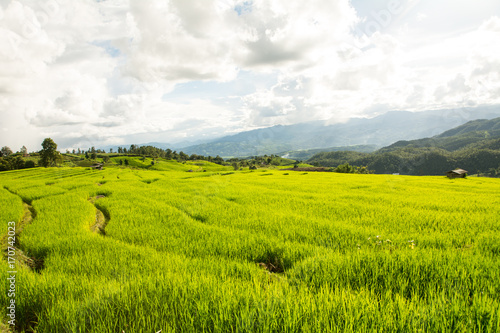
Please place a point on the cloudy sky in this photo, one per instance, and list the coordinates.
(116, 72)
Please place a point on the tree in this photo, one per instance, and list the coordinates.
(93, 154)
(24, 151)
(49, 154)
(4, 164)
(6, 151)
(218, 160)
(17, 163)
(168, 154)
(345, 168)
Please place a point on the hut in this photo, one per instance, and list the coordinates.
(457, 173)
(97, 166)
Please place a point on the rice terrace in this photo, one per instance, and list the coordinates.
(129, 249)
(230, 166)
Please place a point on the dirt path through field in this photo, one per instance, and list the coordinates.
(21, 258)
(101, 219)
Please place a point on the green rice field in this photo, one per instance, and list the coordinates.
(267, 250)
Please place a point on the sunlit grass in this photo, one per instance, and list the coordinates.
(255, 251)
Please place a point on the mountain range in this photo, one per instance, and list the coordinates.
(480, 133)
(371, 133)
(473, 146)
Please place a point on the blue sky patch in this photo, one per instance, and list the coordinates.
(110, 49)
(244, 8)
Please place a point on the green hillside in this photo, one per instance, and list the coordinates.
(308, 153)
(488, 127)
(484, 133)
(474, 146)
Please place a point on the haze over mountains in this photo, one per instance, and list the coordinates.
(371, 133)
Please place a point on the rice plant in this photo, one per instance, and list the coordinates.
(222, 251)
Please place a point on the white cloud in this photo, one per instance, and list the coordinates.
(180, 41)
(80, 69)
(421, 17)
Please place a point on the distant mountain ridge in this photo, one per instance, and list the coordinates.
(477, 132)
(474, 146)
(480, 125)
(379, 131)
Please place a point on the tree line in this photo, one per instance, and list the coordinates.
(49, 156)
(416, 161)
(135, 150)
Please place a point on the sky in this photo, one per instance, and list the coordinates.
(116, 72)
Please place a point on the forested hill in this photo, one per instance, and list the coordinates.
(474, 146)
(477, 133)
(488, 127)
